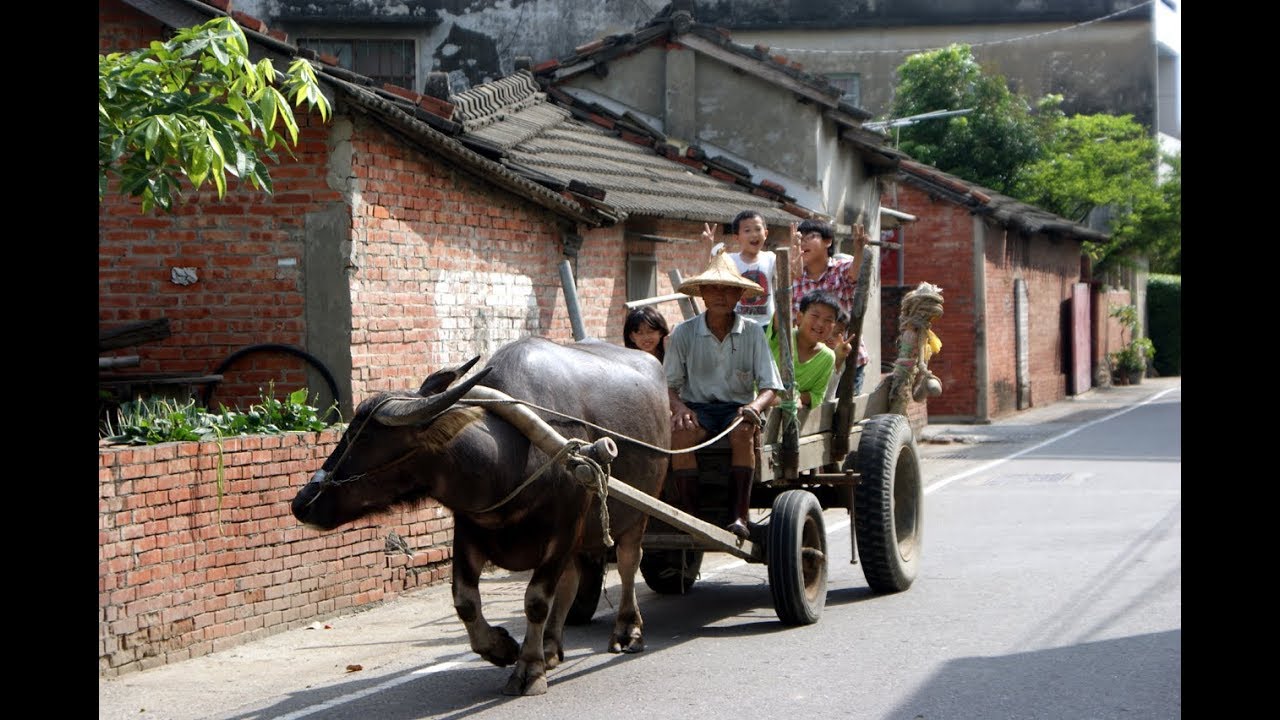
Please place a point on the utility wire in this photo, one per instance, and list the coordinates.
(978, 44)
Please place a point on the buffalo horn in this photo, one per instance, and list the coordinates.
(422, 410)
(442, 379)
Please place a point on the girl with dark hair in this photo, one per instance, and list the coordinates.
(646, 329)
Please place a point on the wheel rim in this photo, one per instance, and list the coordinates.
(813, 558)
(906, 504)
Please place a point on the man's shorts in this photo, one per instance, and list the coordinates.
(714, 417)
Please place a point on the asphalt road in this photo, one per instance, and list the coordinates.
(986, 631)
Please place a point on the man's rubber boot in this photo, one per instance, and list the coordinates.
(740, 481)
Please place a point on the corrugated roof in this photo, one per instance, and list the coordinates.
(537, 135)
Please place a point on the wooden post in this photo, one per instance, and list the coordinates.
(687, 306)
(790, 430)
(843, 418)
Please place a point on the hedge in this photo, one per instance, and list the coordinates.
(1164, 321)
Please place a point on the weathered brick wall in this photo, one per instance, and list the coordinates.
(939, 250)
(445, 267)
(179, 578)
(1049, 267)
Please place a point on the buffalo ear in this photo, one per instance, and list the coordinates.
(442, 379)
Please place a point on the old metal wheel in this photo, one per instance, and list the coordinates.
(670, 572)
(591, 571)
(797, 550)
(889, 503)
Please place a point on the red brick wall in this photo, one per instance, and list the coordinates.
(446, 267)
(1049, 267)
(177, 578)
(939, 249)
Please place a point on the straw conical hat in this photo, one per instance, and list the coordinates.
(720, 271)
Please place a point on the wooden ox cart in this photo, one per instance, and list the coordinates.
(856, 452)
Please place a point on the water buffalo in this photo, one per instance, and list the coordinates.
(401, 447)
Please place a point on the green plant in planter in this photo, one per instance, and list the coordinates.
(1132, 358)
(149, 422)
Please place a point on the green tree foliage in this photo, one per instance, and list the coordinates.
(988, 146)
(1068, 166)
(1095, 161)
(1164, 223)
(195, 107)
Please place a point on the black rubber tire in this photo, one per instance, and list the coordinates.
(889, 503)
(670, 572)
(797, 550)
(591, 572)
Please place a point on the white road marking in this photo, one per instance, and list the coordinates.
(999, 461)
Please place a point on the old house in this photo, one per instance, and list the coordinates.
(767, 119)
(1114, 56)
(1017, 328)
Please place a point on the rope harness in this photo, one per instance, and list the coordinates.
(588, 472)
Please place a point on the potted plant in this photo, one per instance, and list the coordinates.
(1130, 361)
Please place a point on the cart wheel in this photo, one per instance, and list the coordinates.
(797, 549)
(889, 503)
(590, 584)
(670, 572)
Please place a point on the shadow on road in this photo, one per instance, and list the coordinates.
(1132, 677)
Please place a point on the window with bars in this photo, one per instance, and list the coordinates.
(850, 84)
(387, 61)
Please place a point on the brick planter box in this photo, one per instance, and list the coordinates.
(182, 573)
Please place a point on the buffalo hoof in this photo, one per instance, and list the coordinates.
(552, 653)
(502, 650)
(525, 681)
(634, 642)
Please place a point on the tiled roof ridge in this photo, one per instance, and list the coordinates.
(1005, 209)
(488, 103)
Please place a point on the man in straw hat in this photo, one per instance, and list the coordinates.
(718, 368)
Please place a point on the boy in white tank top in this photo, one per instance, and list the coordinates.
(754, 262)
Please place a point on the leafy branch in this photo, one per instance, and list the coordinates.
(196, 107)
